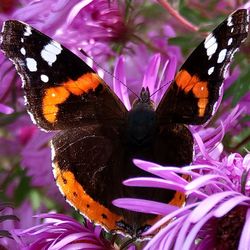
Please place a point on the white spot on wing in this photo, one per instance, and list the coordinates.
(210, 45)
(230, 41)
(44, 78)
(229, 21)
(22, 40)
(23, 51)
(27, 31)
(222, 56)
(48, 57)
(211, 50)
(211, 70)
(31, 64)
(210, 40)
(50, 52)
(232, 30)
(58, 45)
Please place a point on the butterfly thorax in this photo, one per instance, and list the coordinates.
(141, 121)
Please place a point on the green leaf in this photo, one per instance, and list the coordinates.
(240, 87)
(187, 43)
(8, 119)
(23, 189)
(35, 198)
(246, 118)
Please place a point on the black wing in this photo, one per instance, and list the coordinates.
(192, 97)
(61, 90)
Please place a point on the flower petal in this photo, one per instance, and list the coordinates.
(144, 206)
(119, 82)
(206, 205)
(150, 76)
(154, 182)
(228, 205)
(5, 109)
(76, 9)
(245, 234)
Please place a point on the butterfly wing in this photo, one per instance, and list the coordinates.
(85, 167)
(61, 91)
(192, 97)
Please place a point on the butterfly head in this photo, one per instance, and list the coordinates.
(144, 100)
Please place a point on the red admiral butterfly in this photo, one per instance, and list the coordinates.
(98, 138)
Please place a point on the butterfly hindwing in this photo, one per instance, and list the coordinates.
(192, 97)
(98, 154)
(61, 90)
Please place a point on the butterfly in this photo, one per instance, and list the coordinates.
(97, 137)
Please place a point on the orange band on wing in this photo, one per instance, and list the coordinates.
(57, 95)
(52, 97)
(83, 84)
(199, 89)
(80, 200)
(183, 78)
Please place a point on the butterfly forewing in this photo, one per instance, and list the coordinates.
(192, 97)
(61, 90)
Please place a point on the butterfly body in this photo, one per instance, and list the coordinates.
(97, 137)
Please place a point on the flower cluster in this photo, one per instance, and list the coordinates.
(131, 44)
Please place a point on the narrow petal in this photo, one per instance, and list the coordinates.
(204, 180)
(151, 74)
(5, 109)
(228, 205)
(177, 213)
(144, 206)
(160, 240)
(119, 82)
(193, 232)
(69, 239)
(76, 9)
(157, 95)
(154, 182)
(245, 234)
(169, 75)
(206, 205)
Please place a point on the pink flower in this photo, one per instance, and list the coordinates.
(60, 231)
(216, 211)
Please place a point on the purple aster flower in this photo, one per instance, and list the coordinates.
(154, 76)
(216, 210)
(60, 232)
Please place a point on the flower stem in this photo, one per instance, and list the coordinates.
(177, 15)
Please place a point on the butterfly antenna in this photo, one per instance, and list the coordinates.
(167, 83)
(106, 71)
